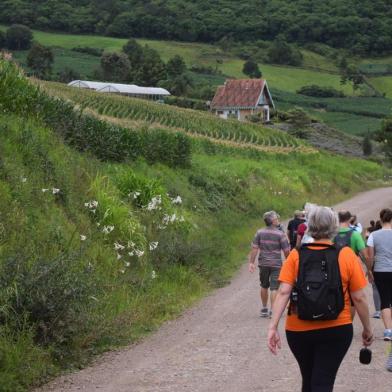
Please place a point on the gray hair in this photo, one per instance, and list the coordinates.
(269, 216)
(323, 222)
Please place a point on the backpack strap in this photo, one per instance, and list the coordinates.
(318, 245)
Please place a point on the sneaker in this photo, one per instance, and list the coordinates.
(377, 314)
(389, 361)
(388, 335)
(264, 312)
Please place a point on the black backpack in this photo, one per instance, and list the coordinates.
(343, 239)
(318, 292)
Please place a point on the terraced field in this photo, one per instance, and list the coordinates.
(194, 123)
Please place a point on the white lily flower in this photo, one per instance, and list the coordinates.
(127, 264)
(107, 229)
(153, 245)
(122, 271)
(177, 200)
(23, 179)
(139, 253)
(55, 190)
(153, 274)
(44, 190)
(118, 246)
(119, 256)
(82, 237)
(131, 254)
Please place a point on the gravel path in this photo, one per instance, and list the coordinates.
(220, 345)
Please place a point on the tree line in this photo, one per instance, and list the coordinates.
(363, 27)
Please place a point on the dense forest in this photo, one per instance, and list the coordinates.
(363, 26)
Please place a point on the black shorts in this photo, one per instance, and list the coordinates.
(269, 277)
(383, 282)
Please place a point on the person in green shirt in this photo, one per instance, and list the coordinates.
(347, 236)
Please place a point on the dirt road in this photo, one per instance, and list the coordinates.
(220, 345)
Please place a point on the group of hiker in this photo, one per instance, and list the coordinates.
(321, 284)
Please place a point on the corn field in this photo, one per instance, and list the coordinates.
(194, 123)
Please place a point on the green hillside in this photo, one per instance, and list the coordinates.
(96, 247)
(352, 114)
(358, 26)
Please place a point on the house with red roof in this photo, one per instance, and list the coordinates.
(241, 98)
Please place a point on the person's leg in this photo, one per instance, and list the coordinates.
(332, 346)
(264, 283)
(383, 282)
(274, 284)
(376, 298)
(303, 352)
(264, 297)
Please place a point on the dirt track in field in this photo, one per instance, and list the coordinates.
(220, 345)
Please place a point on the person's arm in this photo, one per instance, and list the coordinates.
(361, 306)
(252, 258)
(280, 303)
(370, 263)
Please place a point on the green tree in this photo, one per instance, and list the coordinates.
(40, 59)
(18, 37)
(385, 137)
(67, 74)
(152, 70)
(2, 40)
(175, 66)
(116, 67)
(367, 147)
(134, 51)
(280, 52)
(299, 120)
(251, 69)
(352, 74)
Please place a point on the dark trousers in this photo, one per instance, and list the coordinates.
(319, 354)
(383, 282)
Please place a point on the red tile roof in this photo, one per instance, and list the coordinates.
(242, 93)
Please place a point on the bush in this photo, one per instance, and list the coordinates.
(18, 37)
(50, 294)
(89, 50)
(320, 91)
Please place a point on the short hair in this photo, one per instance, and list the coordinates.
(298, 213)
(269, 216)
(386, 217)
(344, 216)
(322, 223)
(353, 219)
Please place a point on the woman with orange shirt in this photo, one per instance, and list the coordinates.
(319, 346)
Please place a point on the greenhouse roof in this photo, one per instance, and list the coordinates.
(105, 87)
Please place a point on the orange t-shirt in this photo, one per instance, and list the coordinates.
(353, 279)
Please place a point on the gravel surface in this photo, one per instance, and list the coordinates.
(220, 345)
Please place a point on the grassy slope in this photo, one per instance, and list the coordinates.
(383, 84)
(223, 196)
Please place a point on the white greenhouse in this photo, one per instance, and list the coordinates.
(130, 90)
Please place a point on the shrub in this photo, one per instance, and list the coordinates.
(88, 50)
(50, 294)
(320, 91)
(18, 37)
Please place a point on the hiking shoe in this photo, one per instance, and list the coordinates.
(388, 335)
(264, 312)
(377, 314)
(389, 361)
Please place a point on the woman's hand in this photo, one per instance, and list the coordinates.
(367, 337)
(370, 276)
(273, 340)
